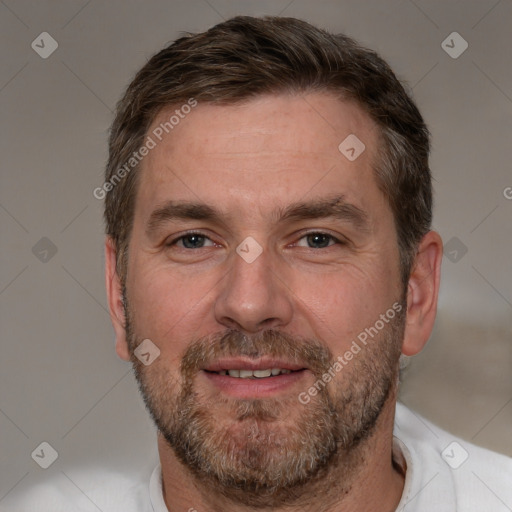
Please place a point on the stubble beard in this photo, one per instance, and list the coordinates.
(272, 452)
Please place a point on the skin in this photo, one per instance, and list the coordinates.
(247, 161)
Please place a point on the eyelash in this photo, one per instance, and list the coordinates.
(332, 238)
(175, 241)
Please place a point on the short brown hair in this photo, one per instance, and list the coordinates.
(245, 57)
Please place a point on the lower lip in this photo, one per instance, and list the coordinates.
(255, 388)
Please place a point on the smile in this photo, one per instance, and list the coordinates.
(254, 374)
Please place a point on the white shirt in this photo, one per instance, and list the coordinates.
(443, 474)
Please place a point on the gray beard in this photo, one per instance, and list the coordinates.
(261, 460)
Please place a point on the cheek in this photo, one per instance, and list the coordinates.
(168, 307)
(340, 305)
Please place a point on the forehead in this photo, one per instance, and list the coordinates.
(315, 122)
(276, 149)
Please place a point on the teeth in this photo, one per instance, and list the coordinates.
(262, 373)
(256, 374)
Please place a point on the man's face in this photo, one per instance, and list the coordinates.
(258, 245)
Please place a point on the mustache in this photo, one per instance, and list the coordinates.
(307, 352)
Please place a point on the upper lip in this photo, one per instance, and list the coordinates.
(242, 363)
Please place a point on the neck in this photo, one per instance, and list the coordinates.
(374, 484)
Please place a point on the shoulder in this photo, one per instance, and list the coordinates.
(450, 472)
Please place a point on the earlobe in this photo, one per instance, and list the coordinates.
(422, 294)
(115, 300)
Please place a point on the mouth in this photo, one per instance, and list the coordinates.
(246, 378)
(254, 374)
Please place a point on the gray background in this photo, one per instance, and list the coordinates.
(60, 380)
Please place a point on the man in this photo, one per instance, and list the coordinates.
(269, 258)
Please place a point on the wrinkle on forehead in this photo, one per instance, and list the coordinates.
(260, 125)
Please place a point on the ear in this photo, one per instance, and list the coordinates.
(422, 293)
(115, 300)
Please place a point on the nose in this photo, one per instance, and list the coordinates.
(253, 296)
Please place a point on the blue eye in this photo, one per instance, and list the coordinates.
(317, 240)
(192, 241)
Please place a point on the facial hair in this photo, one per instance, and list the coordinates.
(269, 452)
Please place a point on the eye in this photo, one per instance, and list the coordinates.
(192, 241)
(317, 240)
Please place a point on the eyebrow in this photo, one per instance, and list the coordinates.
(173, 210)
(336, 207)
